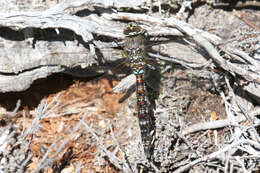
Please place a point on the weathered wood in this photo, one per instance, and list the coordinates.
(53, 38)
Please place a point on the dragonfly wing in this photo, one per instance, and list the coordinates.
(153, 78)
(92, 71)
(125, 84)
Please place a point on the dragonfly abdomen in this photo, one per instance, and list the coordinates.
(143, 114)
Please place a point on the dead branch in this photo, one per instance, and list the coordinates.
(214, 124)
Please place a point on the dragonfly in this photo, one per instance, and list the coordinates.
(135, 51)
(134, 54)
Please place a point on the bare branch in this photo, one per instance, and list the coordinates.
(212, 125)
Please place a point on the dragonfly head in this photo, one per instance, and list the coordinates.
(133, 29)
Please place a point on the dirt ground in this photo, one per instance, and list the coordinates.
(110, 133)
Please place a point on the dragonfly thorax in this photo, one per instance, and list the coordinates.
(135, 47)
(137, 64)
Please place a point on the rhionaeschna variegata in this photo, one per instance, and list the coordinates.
(135, 51)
